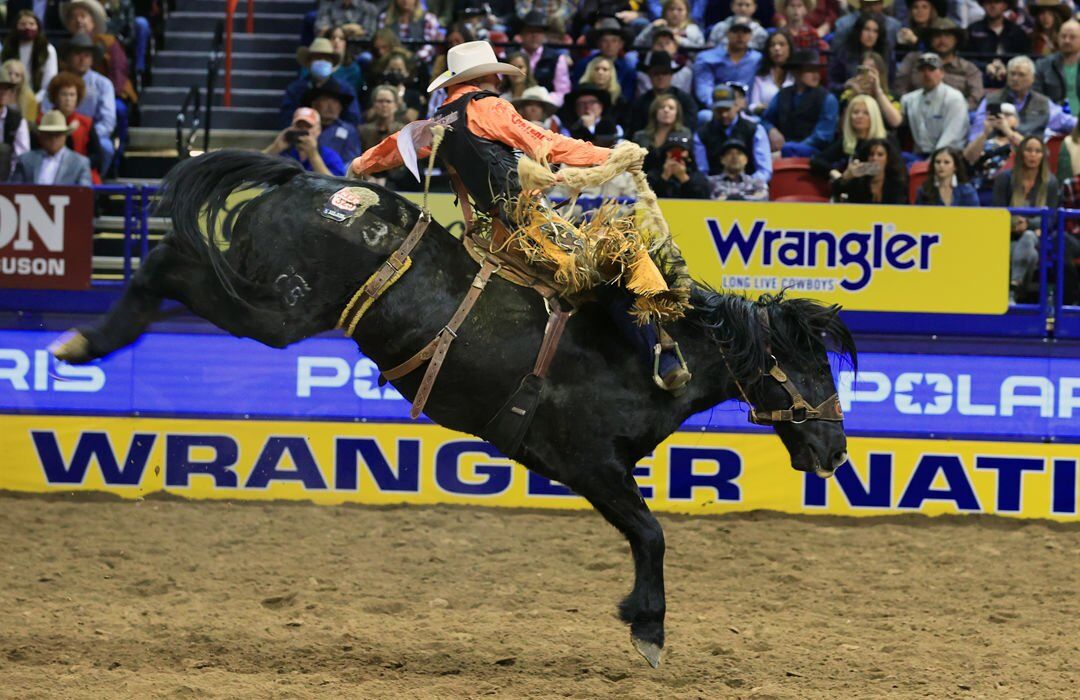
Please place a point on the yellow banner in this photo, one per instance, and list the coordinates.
(868, 258)
(706, 473)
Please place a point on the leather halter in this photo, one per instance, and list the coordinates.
(801, 410)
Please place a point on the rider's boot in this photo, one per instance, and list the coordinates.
(669, 370)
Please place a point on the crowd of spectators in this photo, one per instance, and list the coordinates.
(722, 92)
(69, 79)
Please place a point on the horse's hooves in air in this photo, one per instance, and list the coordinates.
(649, 650)
(72, 347)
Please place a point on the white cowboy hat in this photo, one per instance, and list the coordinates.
(470, 60)
(537, 94)
(93, 7)
(54, 122)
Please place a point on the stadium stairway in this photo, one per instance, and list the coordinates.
(263, 65)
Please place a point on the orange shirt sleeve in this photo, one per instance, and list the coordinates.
(383, 156)
(497, 120)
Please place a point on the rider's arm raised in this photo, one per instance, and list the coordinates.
(382, 156)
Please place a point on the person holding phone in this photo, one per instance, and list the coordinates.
(677, 176)
(300, 141)
(877, 175)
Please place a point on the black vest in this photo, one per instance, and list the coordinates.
(488, 169)
(11, 124)
(714, 136)
(544, 73)
(797, 123)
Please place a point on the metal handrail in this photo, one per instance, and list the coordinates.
(230, 16)
(183, 144)
(213, 67)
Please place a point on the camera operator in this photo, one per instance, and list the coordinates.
(301, 143)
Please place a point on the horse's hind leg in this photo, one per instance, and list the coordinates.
(615, 494)
(131, 314)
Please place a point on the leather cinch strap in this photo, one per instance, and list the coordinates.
(388, 273)
(552, 334)
(436, 350)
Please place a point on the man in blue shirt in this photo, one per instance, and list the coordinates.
(320, 60)
(802, 118)
(737, 64)
(728, 124)
(337, 135)
(300, 142)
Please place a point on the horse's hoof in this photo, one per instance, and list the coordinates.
(649, 650)
(72, 347)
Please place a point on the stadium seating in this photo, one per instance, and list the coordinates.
(916, 177)
(792, 178)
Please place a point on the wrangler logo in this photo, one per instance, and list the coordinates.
(855, 254)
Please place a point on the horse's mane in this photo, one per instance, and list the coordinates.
(801, 329)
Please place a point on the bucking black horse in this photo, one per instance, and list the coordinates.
(276, 270)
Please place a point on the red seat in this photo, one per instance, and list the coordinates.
(916, 177)
(1053, 148)
(792, 177)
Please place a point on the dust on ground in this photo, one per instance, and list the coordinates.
(163, 598)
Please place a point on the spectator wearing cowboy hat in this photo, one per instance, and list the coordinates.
(535, 105)
(936, 113)
(609, 38)
(1049, 15)
(739, 8)
(946, 38)
(678, 176)
(53, 163)
(995, 35)
(319, 59)
(661, 69)
(737, 63)
(550, 67)
(802, 118)
(558, 14)
(845, 24)
(339, 136)
(729, 123)
(1056, 74)
(88, 17)
(300, 141)
(591, 104)
(683, 78)
(732, 183)
(99, 102)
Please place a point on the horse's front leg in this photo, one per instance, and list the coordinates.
(615, 494)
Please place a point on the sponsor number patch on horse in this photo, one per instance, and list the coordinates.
(348, 203)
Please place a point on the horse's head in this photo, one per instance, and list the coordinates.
(795, 392)
(777, 351)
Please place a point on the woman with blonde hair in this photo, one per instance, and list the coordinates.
(25, 99)
(601, 72)
(862, 121)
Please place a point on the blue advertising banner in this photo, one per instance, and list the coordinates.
(981, 397)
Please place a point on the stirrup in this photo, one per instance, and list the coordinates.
(657, 349)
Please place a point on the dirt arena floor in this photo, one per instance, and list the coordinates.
(162, 598)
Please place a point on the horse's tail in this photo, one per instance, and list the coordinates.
(195, 195)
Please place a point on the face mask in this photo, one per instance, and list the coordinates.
(321, 69)
(27, 34)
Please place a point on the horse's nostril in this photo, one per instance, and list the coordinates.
(838, 459)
